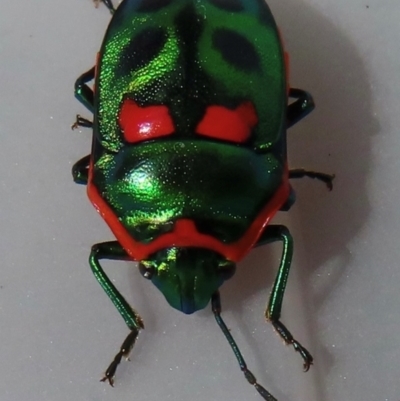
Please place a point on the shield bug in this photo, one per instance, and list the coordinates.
(191, 105)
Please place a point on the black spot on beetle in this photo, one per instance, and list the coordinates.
(264, 14)
(143, 48)
(228, 5)
(236, 50)
(148, 6)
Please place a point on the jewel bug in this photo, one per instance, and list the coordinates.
(191, 105)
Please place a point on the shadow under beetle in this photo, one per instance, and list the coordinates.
(191, 104)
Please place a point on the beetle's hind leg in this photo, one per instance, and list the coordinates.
(107, 3)
(113, 250)
(326, 178)
(273, 312)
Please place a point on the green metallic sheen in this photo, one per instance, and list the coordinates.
(152, 185)
(187, 276)
(188, 71)
(188, 55)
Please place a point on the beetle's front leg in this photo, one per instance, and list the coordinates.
(326, 178)
(273, 312)
(113, 250)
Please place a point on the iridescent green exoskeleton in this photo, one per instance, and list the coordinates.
(188, 163)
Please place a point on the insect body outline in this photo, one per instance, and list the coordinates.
(188, 163)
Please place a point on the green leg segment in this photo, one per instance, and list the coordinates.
(273, 312)
(216, 308)
(113, 250)
(85, 95)
(300, 108)
(326, 178)
(80, 170)
(83, 92)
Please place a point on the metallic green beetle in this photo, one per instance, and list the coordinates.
(188, 163)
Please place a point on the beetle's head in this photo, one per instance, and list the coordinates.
(187, 276)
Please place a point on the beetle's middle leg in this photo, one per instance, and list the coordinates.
(81, 122)
(80, 170)
(296, 111)
(300, 108)
(273, 312)
(84, 94)
(113, 250)
(326, 178)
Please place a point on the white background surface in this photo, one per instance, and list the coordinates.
(59, 331)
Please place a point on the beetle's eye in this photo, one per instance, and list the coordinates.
(226, 270)
(147, 271)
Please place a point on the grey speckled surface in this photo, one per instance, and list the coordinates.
(59, 331)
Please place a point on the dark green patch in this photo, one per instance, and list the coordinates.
(265, 14)
(228, 5)
(143, 48)
(147, 6)
(236, 50)
(190, 101)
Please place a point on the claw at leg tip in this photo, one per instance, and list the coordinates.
(109, 379)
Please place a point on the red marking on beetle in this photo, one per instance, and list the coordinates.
(96, 70)
(185, 233)
(143, 123)
(229, 125)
